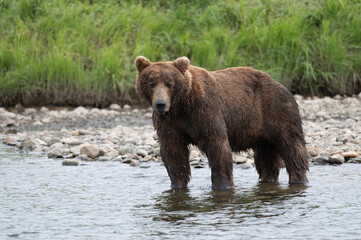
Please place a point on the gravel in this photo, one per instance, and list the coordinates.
(332, 128)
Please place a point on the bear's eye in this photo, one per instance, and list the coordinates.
(168, 85)
(152, 85)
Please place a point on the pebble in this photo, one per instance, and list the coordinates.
(115, 107)
(127, 160)
(141, 152)
(126, 107)
(320, 160)
(336, 159)
(10, 141)
(91, 151)
(72, 141)
(80, 111)
(70, 162)
(55, 153)
(347, 155)
(126, 149)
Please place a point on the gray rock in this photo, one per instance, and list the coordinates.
(55, 153)
(320, 160)
(126, 149)
(141, 152)
(336, 159)
(11, 131)
(90, 151)
(70, 162)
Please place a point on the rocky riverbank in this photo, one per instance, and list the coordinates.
(332, 129)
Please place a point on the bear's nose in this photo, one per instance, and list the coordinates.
(160, 104)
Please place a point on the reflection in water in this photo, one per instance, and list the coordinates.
(175, 205)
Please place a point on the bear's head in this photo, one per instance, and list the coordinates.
(163, 84)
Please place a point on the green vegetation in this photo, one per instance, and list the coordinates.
(82, 52)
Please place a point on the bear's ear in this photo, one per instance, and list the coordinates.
(182, 64)
(141, 63)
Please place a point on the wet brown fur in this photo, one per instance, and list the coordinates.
(233, 109)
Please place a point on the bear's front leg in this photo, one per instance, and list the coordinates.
(175, 155)
(220, 160)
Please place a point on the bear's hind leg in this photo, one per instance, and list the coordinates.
(268, 163)
(294, 155)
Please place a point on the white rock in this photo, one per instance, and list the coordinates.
(44, 109)
(80, 111)
(126, 107)
(115, 107)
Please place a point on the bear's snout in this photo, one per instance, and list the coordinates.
(160, 105)
(161, 100)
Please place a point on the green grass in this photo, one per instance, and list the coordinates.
(82, 52)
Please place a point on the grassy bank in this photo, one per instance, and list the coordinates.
(82, 52)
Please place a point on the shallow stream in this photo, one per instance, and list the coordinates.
(41, 199)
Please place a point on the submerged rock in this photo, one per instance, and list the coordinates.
(70, 162)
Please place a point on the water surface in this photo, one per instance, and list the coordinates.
(41, 199)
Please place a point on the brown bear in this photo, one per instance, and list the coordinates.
(233, 109)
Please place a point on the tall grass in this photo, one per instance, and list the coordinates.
(82, 52)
